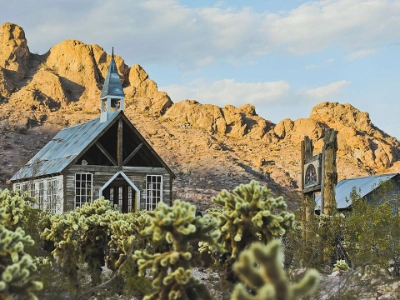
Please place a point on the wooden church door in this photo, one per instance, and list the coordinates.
(119, 192)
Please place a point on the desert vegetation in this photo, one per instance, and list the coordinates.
(248, 238)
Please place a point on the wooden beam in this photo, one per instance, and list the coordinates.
(132, 154)
(105, 152)
(120, 143)
(312, 189)
(308, 202)
(329, 172)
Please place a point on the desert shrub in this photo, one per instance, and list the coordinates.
(323, 247)
(372, 235)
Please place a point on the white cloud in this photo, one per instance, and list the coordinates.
(360, 53)
(312, 67)
(319, 66)
(351, 24)
(323, 93)
(229, 91)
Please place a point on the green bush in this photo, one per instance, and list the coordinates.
(372, 235)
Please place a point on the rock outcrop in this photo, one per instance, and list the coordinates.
(208, 147)
(143, 93)
(14, 56)
(68, 77)
(357, 136)
(229, 120)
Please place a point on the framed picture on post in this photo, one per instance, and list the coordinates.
(312, 173)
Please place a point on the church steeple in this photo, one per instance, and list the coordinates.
(112, 94)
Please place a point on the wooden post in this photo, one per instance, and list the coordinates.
(328, 200)
(304, 198)
(308, 198)
(119, 144)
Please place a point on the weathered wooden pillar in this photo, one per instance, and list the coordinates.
(329, 172)
(307, 206)
(120, 144)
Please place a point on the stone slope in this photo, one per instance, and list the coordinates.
(208, 147)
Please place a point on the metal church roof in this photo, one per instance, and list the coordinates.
(363, 185)
(63, 149)
(112, 84)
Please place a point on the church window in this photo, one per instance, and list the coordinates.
(39, 194)
(52, 193)
(153, 191)
(83, 188)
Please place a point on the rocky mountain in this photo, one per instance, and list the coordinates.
(208, 147)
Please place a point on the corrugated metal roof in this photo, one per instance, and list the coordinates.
(63, 149)
(112, 84)
(363, 185)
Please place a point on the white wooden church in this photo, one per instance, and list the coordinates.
(106, 157)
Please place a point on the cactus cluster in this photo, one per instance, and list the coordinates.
(96, 234)
(341, 266)
(82, 236)
(250, 214)
(16, 267)
(260, 268)
(93, 241)
(172, 270)
(163, 242)
(126, 237)
(16, 208)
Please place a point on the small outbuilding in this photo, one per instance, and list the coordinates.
(106, 156)
(374, 189)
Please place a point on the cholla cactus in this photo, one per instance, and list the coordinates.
(260, 268)
(64, 232)
(178, 225)
(16, 208)
(126, 237)
(82, 235)
(16, 267)
(94, 239)
(250, 214)
(98, 207)
(341, 266)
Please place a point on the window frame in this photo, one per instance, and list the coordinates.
(52, 195)
(154, 193)
(40, 195)
(84, 197)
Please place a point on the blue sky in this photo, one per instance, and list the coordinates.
(284, 57)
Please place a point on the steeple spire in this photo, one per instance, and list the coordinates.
(112, 94)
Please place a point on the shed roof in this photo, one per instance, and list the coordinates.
(70, 143)
(363, 185)
(62, 150)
